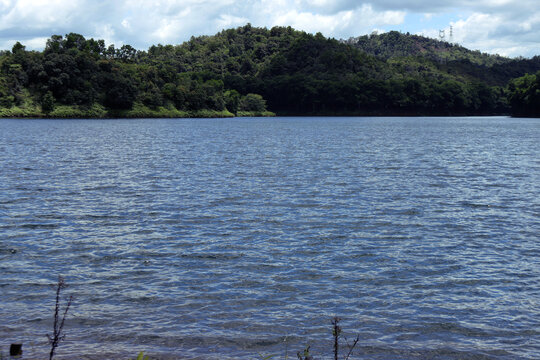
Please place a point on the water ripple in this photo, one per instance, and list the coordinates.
(225, 238)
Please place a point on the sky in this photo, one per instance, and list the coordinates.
(506, 27)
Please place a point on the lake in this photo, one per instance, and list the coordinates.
(230, 238)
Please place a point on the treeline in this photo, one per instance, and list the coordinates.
(494, 70)
(246, 70)
(74, 76)
(394, 44)
(524, 96)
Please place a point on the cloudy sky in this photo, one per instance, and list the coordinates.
(506, 27)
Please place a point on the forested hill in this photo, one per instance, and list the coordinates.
(453, 58)
(395, 44)
(247, 70)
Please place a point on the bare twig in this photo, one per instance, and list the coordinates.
(286, 348)
(351, 347)
(305, 356)
(336, 333)
(58, 325)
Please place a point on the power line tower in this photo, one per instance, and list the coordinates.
(451, 34)
(442, 34)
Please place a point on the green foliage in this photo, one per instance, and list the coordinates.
(18, 48)
(78, 112)
(266, 357)
(524, 95)
(247, 70)
(67, 111)
(304, 355)
(232, 99)
(95, 111)
(255, 114)
(210, 114)
(394, 44)
(120, 92)
(47, 102)
(139, 110)
(20, 112)
(141, 356)
(252, 102)
(6, 98)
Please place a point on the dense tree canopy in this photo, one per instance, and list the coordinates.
(249, 69)
(524, 95)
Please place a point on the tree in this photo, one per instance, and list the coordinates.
(524, 95)
(232, 99)
(252, 102)
(17, 48)
(291, 71)
(120, 93)
(47, 102)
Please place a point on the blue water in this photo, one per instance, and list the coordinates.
(226, 238)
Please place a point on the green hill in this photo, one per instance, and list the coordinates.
(450, 58)
(395, 44)
(247, 70)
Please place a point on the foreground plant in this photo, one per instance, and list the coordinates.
(337, 333)
(58, 326)
(305, 355)
(141, 356)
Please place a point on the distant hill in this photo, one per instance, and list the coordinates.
(247, 70)
(450, 58)
(395, 44)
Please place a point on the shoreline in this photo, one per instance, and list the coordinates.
(226, 114)
(140, 111)
(95, 112)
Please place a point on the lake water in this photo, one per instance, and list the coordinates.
(226, 238)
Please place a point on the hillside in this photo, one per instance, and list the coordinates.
(449, 58)
(395, 44)
(247, 70)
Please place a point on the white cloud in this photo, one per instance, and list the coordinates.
(475, 31)
(226, 20)
(107, 33)
(34, 43)
(341, 24)
(496, 33)
(35, 13)
(38, 42)
(313, 22)
(126, 24)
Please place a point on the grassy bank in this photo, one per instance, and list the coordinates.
(255, 114)
(97, 111)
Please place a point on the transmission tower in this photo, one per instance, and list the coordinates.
(442, 34)
(451, 34)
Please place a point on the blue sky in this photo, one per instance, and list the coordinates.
(506, 27)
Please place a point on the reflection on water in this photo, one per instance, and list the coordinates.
(225, 238)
